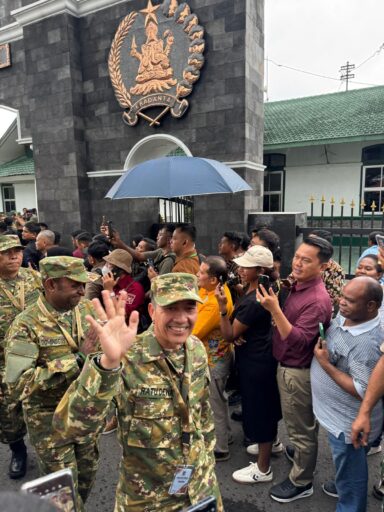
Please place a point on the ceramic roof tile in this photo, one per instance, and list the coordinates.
(21, 166)
(357, 114)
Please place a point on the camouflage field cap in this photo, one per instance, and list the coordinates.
(170, 288)
(65, 266)
(9, 242)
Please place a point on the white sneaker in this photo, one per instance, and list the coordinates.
(252, 475)
(374, 450)
(277, 447)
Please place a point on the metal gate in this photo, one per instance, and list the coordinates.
(350, 226)
(179, 209)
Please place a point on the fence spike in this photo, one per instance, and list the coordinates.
(342, 202)
(373, 206)
(353, 204)
(362, 205)
(311, 199)
(332, 201)
(382, 208)
(323, 199)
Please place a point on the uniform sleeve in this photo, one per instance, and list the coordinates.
(21, 354)
(21, 370)
(207, 423)
(86, 403)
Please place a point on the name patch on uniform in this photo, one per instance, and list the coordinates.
(52, 342)
(145, 392)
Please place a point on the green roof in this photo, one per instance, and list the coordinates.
(21, 166)
(349, 116)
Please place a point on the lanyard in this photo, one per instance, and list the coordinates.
(181, 401)
(77, 320)
(19, 300)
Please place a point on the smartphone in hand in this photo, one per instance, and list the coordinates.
(110, 230)
(322, 333)
(264, 280)
(380, 241)
(58, 488)
(206, 505)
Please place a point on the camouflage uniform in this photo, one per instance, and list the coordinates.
(41, 364)
(15, 295)
(150, 419)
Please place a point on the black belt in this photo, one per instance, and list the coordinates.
(306, 367)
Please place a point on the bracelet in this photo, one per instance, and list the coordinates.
(112, 295)
(98, 363)
(223, 314)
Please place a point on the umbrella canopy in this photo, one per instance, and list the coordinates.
(177, 176)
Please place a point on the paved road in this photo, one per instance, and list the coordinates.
(237, 498)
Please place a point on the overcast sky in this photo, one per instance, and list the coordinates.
(320, 36)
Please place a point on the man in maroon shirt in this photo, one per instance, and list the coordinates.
(117, 277)
(294, 338)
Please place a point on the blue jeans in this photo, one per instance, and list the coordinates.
(351, 475)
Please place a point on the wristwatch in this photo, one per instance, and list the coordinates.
(99, 365)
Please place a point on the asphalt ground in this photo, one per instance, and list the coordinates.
(237, 497)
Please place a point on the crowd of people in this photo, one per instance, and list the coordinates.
(151, 336)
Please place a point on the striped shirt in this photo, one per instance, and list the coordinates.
(355, 351)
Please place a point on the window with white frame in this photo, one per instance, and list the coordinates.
(373, 187)
(8, 196)
(372, 193)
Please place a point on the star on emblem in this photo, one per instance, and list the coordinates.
(150, 12)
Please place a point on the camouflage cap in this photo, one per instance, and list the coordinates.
(169, 288)
(9, 242)
(65, 266)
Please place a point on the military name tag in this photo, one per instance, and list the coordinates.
(181, 480)
(52, 342)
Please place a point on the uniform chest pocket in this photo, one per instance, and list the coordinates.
(154, 424)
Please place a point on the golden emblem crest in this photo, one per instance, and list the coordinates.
(155, 58)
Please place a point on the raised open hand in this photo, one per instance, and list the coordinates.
(114, 334)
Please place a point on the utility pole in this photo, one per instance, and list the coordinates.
(346, 75)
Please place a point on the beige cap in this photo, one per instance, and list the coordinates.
(256, 256)
(121, 259)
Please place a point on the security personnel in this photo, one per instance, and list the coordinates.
(45, 348)
(160, 385)
(19, 287)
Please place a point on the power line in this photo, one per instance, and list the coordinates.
(315, 74)
(371, 57)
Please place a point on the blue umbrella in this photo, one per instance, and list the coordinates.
(177, 176)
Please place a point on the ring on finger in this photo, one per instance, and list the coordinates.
(101, 322)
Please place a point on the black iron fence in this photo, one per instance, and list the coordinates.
(178, 209)
(350, 226)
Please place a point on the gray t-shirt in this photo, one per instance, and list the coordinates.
(164, 263)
